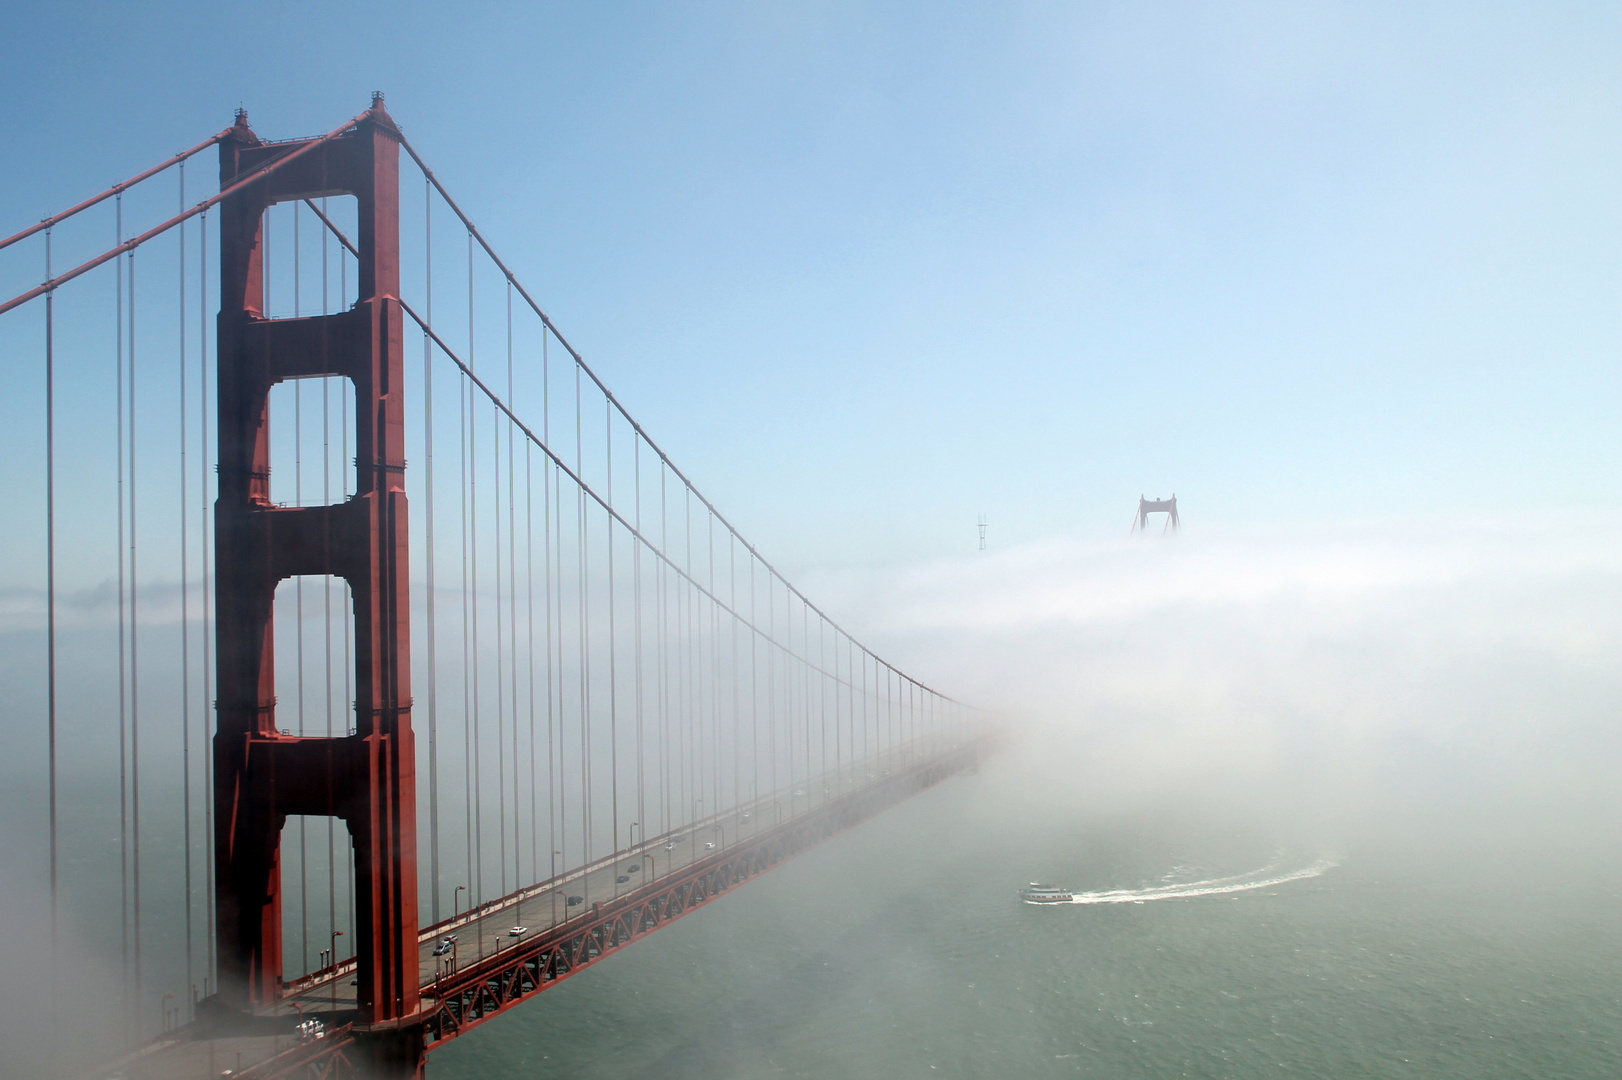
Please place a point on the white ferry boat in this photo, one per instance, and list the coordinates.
(1045, 894)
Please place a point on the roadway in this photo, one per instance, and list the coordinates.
(487, 928)
(190, 1053)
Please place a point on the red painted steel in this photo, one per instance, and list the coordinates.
(366, 778)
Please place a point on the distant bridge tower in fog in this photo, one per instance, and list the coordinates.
(1156, 506)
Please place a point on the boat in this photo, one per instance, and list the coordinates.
(1036, 893)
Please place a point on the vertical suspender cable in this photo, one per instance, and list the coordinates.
(554, 767)
(585, 632)
(816, 682)
(854, 654)
(326, 599)
(208, 707)
(561, 668)
(732, 599)
(529, 642)
(185, 609)
(50, 586)
(135, 673)
(695, 675)
(865, 754)
(428, 453)
(501, 684)
(298, 600)
(123, 650)
(613, 679)
(467, 659)
(663, 613)
(805, 624)
(330, 584)
(771, 680)
(707, 678)
(349, 468)
(473, 594)
(785, 654)
(636, 589)
(512, 598)
(715, 677)
(352, 723)
(791, 674)
(755, 694)
(684, 607)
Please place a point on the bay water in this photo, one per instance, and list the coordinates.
(1219, 940)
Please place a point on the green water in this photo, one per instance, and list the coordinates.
(900, 950)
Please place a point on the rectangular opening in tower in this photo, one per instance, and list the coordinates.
(315, 657)
(307, 267)
(312, 441)
(318, 897)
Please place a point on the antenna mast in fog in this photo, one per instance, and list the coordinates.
(982, 532)
(1140, 523)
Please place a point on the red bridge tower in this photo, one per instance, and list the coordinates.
(366, 778)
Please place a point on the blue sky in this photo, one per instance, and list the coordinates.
(868, 271)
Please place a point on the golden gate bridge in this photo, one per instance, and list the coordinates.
(271, 454)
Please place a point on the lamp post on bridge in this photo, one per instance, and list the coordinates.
(298, 1030)
(456, 896)
(692, 835)
(333, 954)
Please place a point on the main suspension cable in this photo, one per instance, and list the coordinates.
(46, 224)
(475, 234)
(285, 158)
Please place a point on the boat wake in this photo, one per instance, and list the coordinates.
(1264, 878)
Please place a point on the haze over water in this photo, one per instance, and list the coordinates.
(1333, 811)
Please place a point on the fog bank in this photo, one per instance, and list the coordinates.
(1417, 677)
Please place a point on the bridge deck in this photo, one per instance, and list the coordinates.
(493, 970)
